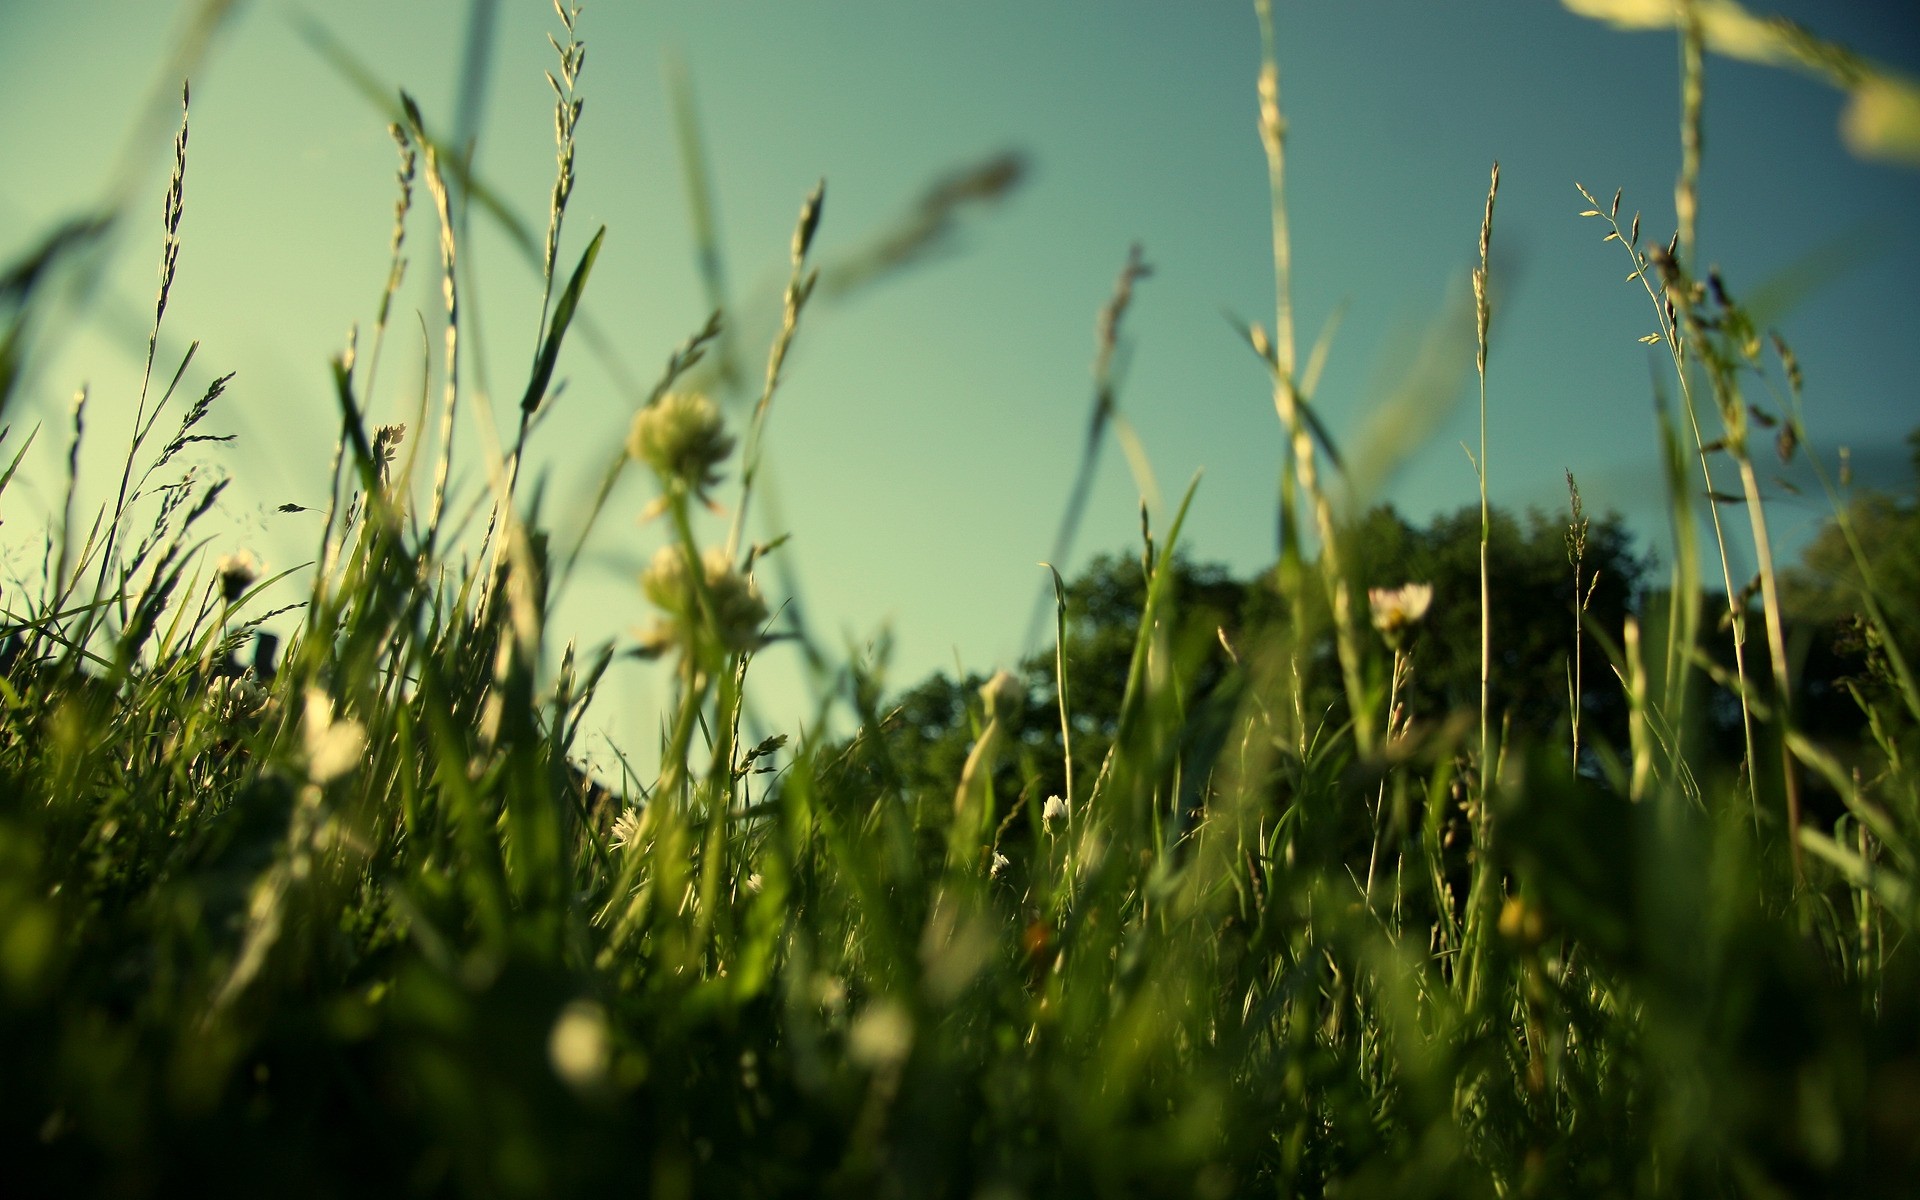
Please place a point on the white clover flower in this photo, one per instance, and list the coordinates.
(738, 611)
(236, 696)
(1395, 610)
(683, 438)
(1055, 809)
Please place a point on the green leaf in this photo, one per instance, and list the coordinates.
(557, 332)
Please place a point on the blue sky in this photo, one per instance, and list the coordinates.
(924, 443)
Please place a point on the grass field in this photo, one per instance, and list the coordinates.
(342, 911)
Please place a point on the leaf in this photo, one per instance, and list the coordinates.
(556, 333)
(7, 476)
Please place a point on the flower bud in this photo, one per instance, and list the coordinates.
(1003, 696)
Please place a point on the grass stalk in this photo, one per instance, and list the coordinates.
(1303, 476)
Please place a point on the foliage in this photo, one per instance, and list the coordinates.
(351, 917)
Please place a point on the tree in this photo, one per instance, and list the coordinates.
(1849, 659)
(931, 725)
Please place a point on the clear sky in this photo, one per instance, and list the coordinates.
(924, 443)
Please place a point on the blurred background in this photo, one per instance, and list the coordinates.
(924, 443)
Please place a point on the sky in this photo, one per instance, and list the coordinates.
(923, 443)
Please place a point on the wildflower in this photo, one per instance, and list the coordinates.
(1002, 695)
(1055, 809)
(236, 696)
(626, 828)
(236, 572)
(999, 866)
(682, 437)
(755, 884)
(737, 609)
(1396, 610)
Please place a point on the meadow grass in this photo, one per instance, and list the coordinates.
(347, 913)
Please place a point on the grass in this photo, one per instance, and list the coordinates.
(348, 915)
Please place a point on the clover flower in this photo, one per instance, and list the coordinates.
(683, 438)
(738, 611)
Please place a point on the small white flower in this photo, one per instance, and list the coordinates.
(999, 866)
(684, 439)
(1055, 809)
(1396, 609)
(755, 883)
(737, 607)
(626, 828)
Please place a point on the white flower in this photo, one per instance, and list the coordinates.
(1055, 809)
(333, 747)
(1396, 609)
(738, 610)
(755, 883)
(1002, 695)
(626, 828)
(999, 866)
(683, 438)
